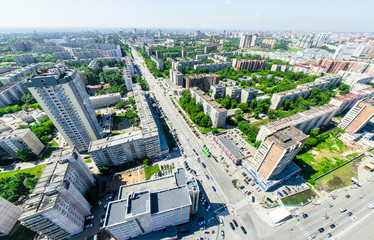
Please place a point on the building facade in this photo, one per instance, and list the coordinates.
(57, 207)
(62, 96)
(242, 64)
(218, 91)
(11, 142)
(202, 81)
(9, 217)
(277, 151)
(105, 100)
(247, 40)
(358, 116)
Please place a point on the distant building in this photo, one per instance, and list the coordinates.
(218, 91)
(358, 116)
(114, 69)
(247, 40)
(347, 101)
(317, 117)
(57, 208)
(344, 52)
(25, 58)
(62, 55)
(93, 65)
(176, 77)
(202, 81)
(302, 90)
(9, 217)
(277, 151)
(20, 46)
(159, 63)
(243, 64)
(128, 78)
(11, 93)
(11, 142)
(60, 92)
(268, 43)
(158, 54)
(352, 78)
(152, 205)
(278, 67)
(234, 92)
(212, 67)
(216, 112)
(105, 100)
(209, 49)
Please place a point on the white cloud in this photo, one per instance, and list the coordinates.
(228, 2)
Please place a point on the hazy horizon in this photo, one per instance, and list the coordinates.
(230, 15)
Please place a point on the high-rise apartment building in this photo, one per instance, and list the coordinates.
(243, 64)
(277, 151)
(247, 40)
(202, 81)
(9, 217)
(57, 207)
(11, 142)
(268, 43)
(358, 116)
(61, 94)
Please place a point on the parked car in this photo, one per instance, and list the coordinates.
(232, 226)
(89, 217)
(243, 229)
(235, 223)
(222, 234)
(214, 189)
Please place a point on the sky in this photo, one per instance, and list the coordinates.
(243, 15)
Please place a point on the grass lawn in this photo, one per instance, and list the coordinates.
(34, 171)
(299, 198)
(327, 155)
(22, 233)
(88, 160)
(338, 178)
(150, 170)
(48, 152)
(204, 130)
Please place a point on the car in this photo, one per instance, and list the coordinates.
(330, 205)
(222, 234)
(347, 196)
(102, 220)
(162, 167)
(109, 198)
(235, 223)
(232, 226)
(328, 235)
(243, 229)
(305, 215)
(354, 218)
(312, 236)
(89, 217)
(99, 202)
(248, 193)
(321, 230)
(221, 221)
(342, 210)
(89, 225)
(332, 226)
(246, 181)
(207, 177)
(214, 189)
(253, 199)
(349, 214)
(105, 206)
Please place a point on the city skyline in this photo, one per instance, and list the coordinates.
(213, 15)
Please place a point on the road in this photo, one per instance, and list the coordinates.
(243, 212)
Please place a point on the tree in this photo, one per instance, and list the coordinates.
(28, 98)
(146, 161)
(92, 195)
(238, 115)
(25, 155)
(344, 88)
(104, 170)
(314, 132)
(233, 103)
(121, 104)
(225, 103)
(214, 130)
(243, 106)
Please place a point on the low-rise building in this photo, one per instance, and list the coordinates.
(358, 116)
(152, 205)
(12, 141)
(176, 77)
(62, 55)
(114, 69)
(248, 94)
(212, 67)
(211, 48)
(228, 142)
(352, 78)
(105, 100)
(57, 208)
(234, 93)
(11, 93)
(9, 217)
(24, 58)
(216, 112)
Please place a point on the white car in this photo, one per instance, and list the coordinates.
(89, 225)
(89, 217)
(221, 221)
(99, 202)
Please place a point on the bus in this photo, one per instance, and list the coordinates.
(205, 152)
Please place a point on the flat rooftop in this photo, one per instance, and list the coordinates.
(106, 96)
(226, 140)
(115, 140)
(116, 212)
(218, 107)
(287, 137)
(168, 199)
(138, 203)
